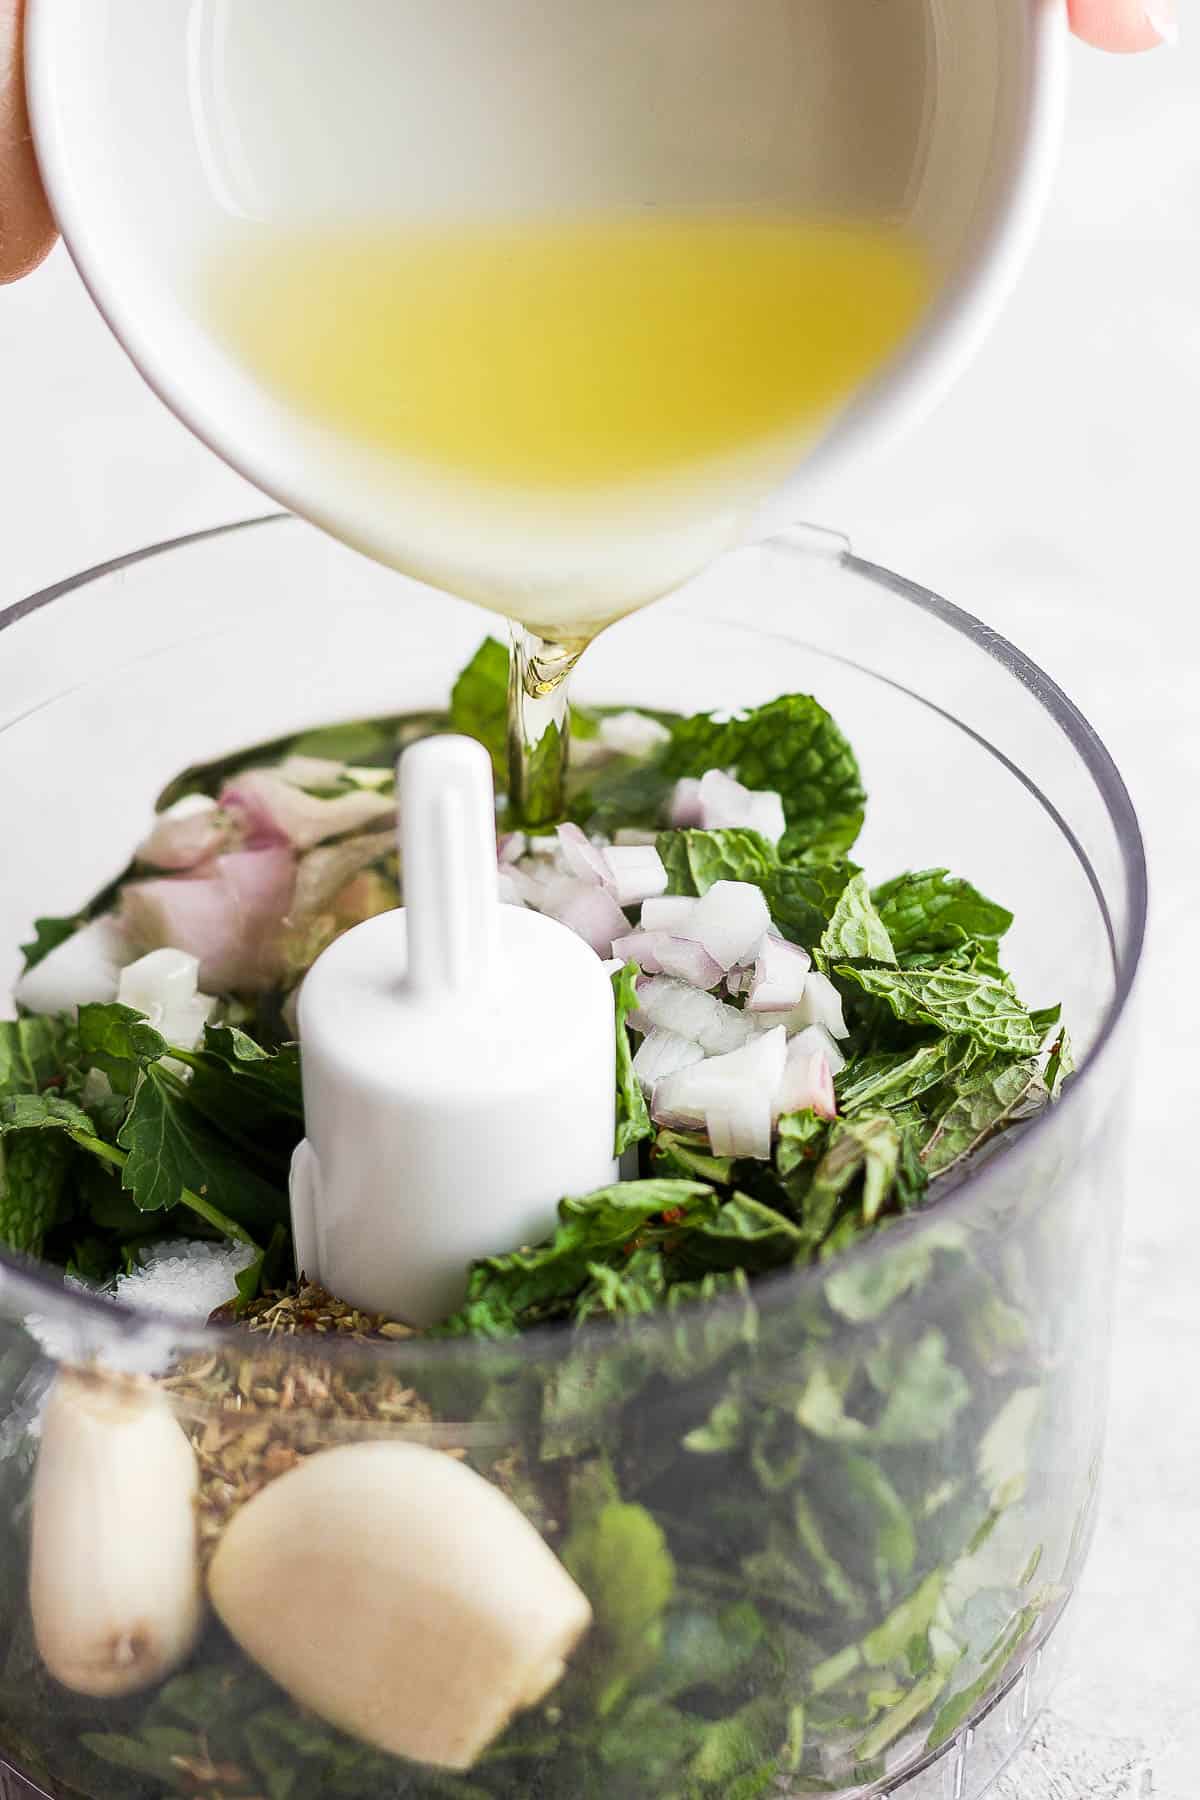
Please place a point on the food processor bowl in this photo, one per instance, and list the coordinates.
(846, 1510)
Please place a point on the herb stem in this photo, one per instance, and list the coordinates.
(195, 1202)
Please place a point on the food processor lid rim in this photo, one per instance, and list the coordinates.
(55, 1304)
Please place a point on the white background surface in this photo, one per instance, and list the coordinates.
(1054, 495)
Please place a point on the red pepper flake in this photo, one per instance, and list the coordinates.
(673, 1215)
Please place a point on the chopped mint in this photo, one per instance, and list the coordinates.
(633, 1119)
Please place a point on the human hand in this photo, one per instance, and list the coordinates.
(1125, 24)
(27, 228)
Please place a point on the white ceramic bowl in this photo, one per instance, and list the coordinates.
(166, 132)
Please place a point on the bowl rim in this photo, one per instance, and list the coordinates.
(35, 1287)
(912, 383)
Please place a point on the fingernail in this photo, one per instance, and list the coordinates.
(1163, 16)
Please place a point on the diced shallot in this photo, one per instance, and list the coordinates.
(511, 848)
(633, 874)
(664, 1053)
(724, 802)
(632, 734)
(641, 947)
(83, 968)
(322, 873)
(163, 986)
(676, 1006)
(815, 1037)
(581, 858)
(274, 811)
(229, 918)
(731, 921)
(588, 911)
(780, 971)
(688, 961)
(533, 878)
(508, 888)
(740, 1124)
(820, 1005)
(685, 810)
(188, 833)
(669, 912)
(735, 1094)
(658, 953)
(807, 1084)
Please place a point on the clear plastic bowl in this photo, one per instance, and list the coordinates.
(800, 1505)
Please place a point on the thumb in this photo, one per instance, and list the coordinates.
(1125, 24)
(26, 227)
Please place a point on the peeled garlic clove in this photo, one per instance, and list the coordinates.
(400, 1596)
(114, 1580)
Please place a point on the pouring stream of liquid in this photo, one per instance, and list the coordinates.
(579, 409)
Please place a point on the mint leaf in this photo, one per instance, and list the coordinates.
(931, 909)
(619, 1557)
(861, 1153)
(33, 1175)
(507, 1292)
(115, 1033)
(631, 1291)
(891, 1078)
(626, 791)
(48, 934)
(171, 1149)
(694, 860)
(802, 1137)
(633, 1118)
(1060, 1065)
(253, 1096)
(855, 931)
(864, 1289)
(134, 1755)
(119, 1041)
(980, 1006)
(247, 1077)
(270, 1078)
(479, 703)
(689, 1158)
(912, 1618)
(743, 1234)
(792, 747)
(43, 1112)
(985, 1103)
(924, 1391)
(33, 1051)
(35, 1162)
(802, 900)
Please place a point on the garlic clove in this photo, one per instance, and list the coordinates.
(114, 1581)
(400, 1596)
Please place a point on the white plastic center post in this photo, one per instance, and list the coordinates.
(459, 1065)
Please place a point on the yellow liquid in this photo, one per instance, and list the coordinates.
(574, 356)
